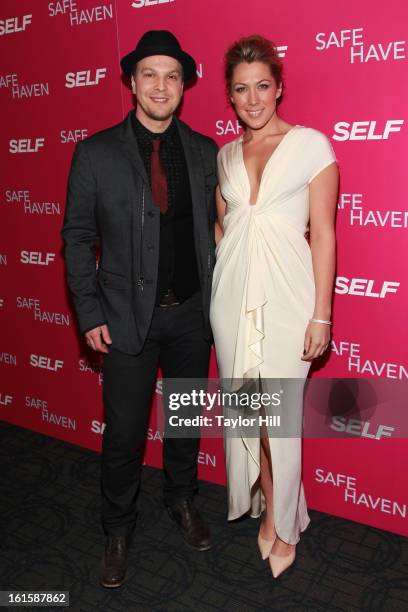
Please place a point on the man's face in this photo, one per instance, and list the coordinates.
(158, 86)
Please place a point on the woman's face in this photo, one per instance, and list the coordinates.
(254, 92)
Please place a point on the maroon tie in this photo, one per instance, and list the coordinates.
(158, 178)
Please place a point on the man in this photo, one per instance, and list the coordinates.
(145, 190)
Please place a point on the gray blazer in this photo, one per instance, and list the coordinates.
(109, 204)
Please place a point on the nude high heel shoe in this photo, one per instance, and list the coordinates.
(280, 564)
(265, 546)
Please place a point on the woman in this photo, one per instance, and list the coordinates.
(271, 300)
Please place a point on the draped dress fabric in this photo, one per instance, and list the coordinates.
(263, 294)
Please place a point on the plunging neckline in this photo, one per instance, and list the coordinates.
(265, 166)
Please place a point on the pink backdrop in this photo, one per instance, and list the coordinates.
(345, 73)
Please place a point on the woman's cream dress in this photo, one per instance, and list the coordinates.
(262, 297)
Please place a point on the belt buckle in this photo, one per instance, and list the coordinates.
(171, 298)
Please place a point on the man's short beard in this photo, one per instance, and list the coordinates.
(154, 114)
(157, 117)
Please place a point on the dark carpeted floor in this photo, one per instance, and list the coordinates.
(51, 538)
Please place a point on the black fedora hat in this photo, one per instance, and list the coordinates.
(159, 42)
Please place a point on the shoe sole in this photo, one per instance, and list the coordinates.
(113, 586)
(202, 549)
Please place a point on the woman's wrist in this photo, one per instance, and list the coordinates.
(322, 313)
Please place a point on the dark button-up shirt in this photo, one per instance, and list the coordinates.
(177, 258)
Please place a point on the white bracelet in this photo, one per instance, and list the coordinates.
(320, 321)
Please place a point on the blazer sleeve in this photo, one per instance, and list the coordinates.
(80, 235)
(213, 153)
(215, 150)
(209, 152)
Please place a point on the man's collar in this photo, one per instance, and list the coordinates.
(169, 135)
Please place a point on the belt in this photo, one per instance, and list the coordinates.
(169, 299)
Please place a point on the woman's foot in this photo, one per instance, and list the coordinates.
(282, 555)
(266, 536)
(265, 546)
(282, 549)
(267, 527)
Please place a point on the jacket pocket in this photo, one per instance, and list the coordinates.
(111, 280)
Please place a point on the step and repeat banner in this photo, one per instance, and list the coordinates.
(345, 74)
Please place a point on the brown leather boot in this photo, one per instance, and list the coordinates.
(114, 562)
(193, 528)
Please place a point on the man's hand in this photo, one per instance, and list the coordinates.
(98, 339)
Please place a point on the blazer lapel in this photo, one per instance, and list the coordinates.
(131, 149)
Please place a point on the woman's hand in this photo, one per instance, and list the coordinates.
(317, 339)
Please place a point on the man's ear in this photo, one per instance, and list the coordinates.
(133, 82)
